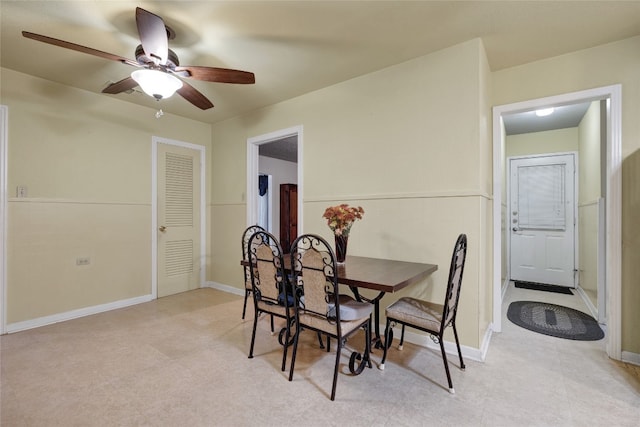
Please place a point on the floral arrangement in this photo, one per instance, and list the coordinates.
(341, 218)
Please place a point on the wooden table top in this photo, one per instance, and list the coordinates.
(383, 275)
(379, 274)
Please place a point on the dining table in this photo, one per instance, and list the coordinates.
(381, 275)
(376, 274)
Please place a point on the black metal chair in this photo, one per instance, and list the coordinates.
(428, 316)
(248, 287)
(270, 291)
(315, 287)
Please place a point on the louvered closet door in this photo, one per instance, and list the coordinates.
(178, 219)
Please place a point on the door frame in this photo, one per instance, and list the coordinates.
(253, 154)
(576, 236)
(613, 202)
(155, 141)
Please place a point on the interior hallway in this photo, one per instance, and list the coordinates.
(182, 360)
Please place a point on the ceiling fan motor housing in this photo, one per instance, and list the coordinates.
(143, 59)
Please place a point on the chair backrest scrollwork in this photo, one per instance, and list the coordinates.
(267, 275)
(455, 280)
(246, 235)
(313, 263)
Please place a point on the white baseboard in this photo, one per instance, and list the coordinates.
(505, 285)
(74, 314)
(484, 347)
(224, 288)
(629, 357)
(88, 311)
(592, 308)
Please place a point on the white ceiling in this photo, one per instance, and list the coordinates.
(564, 116)
(283, 149)
(296, 47)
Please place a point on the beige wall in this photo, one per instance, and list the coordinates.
(552, 141)
(485, 213)
(409, 143)
(86, 162)
(614, 63)
(631, 252)
(589, 188)
(589, 139)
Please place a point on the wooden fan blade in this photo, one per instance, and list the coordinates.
(192, 95)
(219, 75)
(153, 35)
(79, 48)
(121, 86)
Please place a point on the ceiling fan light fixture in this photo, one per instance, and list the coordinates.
(545, 112)
(157, 84)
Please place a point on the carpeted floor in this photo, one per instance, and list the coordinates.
(182, 361)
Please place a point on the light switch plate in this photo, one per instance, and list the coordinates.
(21, 191)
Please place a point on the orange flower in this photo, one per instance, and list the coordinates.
(341, 218)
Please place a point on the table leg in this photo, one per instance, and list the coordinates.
(377, 338)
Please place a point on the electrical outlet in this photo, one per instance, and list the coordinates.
(83, 261)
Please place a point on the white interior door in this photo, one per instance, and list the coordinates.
(542, 219)
(179, 221)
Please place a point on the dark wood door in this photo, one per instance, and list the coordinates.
(288, 215)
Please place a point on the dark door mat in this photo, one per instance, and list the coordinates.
(542, 287)
(554, 320)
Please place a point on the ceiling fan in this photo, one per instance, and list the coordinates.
(157, 65)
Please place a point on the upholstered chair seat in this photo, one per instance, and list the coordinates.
(424, 314)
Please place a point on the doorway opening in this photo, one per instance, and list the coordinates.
(265, 201)
(279, 156)
(611, 182)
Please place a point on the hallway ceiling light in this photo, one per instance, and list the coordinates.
(544, 112)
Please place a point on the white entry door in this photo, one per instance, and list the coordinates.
(178, 231)
(542, 219)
